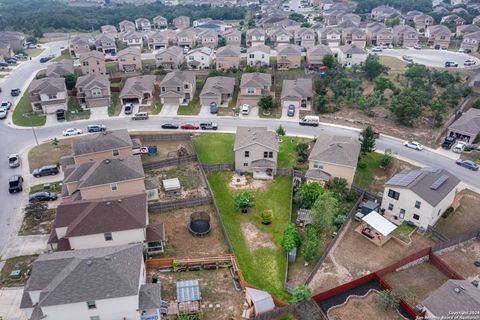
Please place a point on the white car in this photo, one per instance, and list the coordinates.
(6, 104)
(245, 109)
(377, 49)
(469, 62)
(459, 147)
(72, 131)
(3, 113)
(418, 47)
(414, 145)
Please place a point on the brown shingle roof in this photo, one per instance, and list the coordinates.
(341, 150)
(137, 85)
(102, 141)
(246, 136)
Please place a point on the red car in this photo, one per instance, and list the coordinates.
(189, 126)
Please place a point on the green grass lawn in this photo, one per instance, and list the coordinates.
(365, 176)
(215, 147)
(287, 155)
(65, 55)
(263, 267)
(115, 107)
(193, 107)
(22, 107)
(75, 111)
(33, 52)
(54, 187)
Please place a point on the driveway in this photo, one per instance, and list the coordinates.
(9, 304)
(99, 113)
(296, 116)
(205, 112)
(253, 113)
(169, 110)
(430, 57)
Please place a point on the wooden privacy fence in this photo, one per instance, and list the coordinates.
(218, 167)
(440, 264)
(169, 162)
(178, 204)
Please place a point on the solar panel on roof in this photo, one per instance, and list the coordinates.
(435, 185)
(403, 180)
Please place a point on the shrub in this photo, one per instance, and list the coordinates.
(244, 201)
(286, 316)
(301, 150)
(476, 104)
(310, 243)
(291, 239)
(388, 299)
(362, 165)
(267, 216)
(447, 212)
(307, 194)
(301, 293)
(280, 130)
(387, 159)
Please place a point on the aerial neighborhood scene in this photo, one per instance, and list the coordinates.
(240, 159)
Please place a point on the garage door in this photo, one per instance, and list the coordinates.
(208, 101)
(253, 102)
(171, 100)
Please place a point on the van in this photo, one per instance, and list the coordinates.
(313, 121)
(140, 116)
(245, 109)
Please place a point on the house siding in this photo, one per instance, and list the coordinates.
(256, 152)
(98, 240)
(125, 188)
(348, 173)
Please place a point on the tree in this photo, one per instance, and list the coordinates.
(221, 42)
(339, 187)
(36, 209)
(300, 294)
(373, 68)
(280, 131)
(392, 22)
(267, 103)
(387, 159)
(291, 239)
(417, 75)
(267, 216)
(32, 39)
(297, 17)
(324, 210)
(320, 104)
(388, 299)
(70, 81)
(409, 105)
(302, 153)
(438, 108)
(311, 242)
(382, 83)
(368, 140)
(307, 194)
(329, 60)
(476, 104)
(244, 201)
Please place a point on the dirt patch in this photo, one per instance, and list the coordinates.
(363, 308)
(462, 258)
(251, 184)
(354, 256)
(48, 153)
(181, 243)
(166, 149)
(256, 239)
(43, 225)
(465, 219)
(382, 175)
(220, 300)
(22, 263)
(416, 283)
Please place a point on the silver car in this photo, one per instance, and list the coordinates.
(13, 160)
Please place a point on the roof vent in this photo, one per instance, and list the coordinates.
(107, 258)
(89, 262)
(108, 203)
(457, 289)
(107, 161)
(119, 200)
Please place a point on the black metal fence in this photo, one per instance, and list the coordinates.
(169, 162)
(437, 234)
(218, 167)
(178, 204)
(456, 241)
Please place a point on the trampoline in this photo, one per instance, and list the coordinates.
(199, 223)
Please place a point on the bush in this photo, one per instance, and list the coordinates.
(476, 104)
(301, 150)
(286, 316)
(310, 243)
(362, 165)
(267, 216)
(280, 130)
(291, 239)
(307, 194)
(387, 159)
(244, 201)
(447, 212)
(301, 293)
(388, 299)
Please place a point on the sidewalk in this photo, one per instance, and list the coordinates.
(10, 299)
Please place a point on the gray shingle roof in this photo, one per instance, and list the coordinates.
(262, 300)
(319, 50)
(352, 49)
(228, 51)
(317, 174)
(297, 89)
(85, 275)
(188, 290)
(48, 85)
(150, 296)
(102, 141)
(256, 80)
(90, 81)
(130, 50)
(136, 86)
(340, 150)
(246, 136)
(216, 86)
(178, 77)
(469, 122)
(446, 301)
(261, 48)
(289, 49)
(421, 184)
(92, 54)
(59, 69)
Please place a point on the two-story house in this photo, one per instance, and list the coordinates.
(158, 40)
(405, 36)
(232, 36)
(258, 55)
(289, 57)
(438, 36)
(384, 37)
(101, 283)
(60, 68)
(187, 38)
(383, 13)
(178, 87)
(47, 95)
(354, 36)
(142, 24)
(253, 86)
(298, 92)
(466, 29)
(110, 30)
(334, 156)
(79, 45)
(93, 90)
(93, 62)
(133, 39)
(138, 90)
(315, 55)
(471, 42)
(352, 56)
(329, 36)
(305, 37)
(256, 151)
(228, 57)
(105, 43)
(16, 40)
(419, 196)
(126, 25)
(218, 90)
(169, 58)
(160, 23)
(199, 59)
(181, 22)
(255, 37)
(279, 36)
(208, 38)
(371, 31)
(130, 59)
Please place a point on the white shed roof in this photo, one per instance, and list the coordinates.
(171, 184)
(262, 300)
(379, 223)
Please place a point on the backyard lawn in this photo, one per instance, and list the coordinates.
(257, 246)
(115, 106)
(22, 107)
(287, 155)
(214, 147)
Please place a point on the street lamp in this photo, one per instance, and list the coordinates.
(27, 115)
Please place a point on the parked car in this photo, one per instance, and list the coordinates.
(407, 58)
(48, 170)
(448, 142)
(140, 116)
(15, 184)
(208, 126)
(313, 121)
(291, 110)
(469, 62)
(11, 60)
(72, 131)
(128, 108)
(245, 109)
(14, 161)
(3, 113)
(6, 104)
(189, 126)
(15, 92)
(110, 58)
(170, 126)
(61, 114)
(469, 164)
(96, 127)
(31, 46)
(213, 108)
(45, 59)
(459, 147)
(464, 50)
(418, 47)
(377, 49)
(43, 196)
(451, 64)
(243, 50)
(414, 145)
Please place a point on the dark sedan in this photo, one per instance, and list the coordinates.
(43, 196)
(169, 126)
(96, 127)
(469, 164)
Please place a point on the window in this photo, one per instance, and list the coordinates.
(251, 56)
(163, 89)
(402, 213)
(108, 236)
(418, 204)
(91, 305)
(190, 58)
(96, 93)
(95, 318)
(114, 186)
(185, 86)
(265, 154)
(251, 90)
(317, 165)
(52, 96)
(393, 194)
(115, 152)
(245, 164)
(349, 55)
(390, 206)
(270, 154)
(416, 217)
(247, 154)
(85, 63)
(178, 89)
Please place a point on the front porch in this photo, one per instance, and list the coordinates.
(155, 238)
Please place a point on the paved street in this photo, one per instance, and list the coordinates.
(430, 57)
